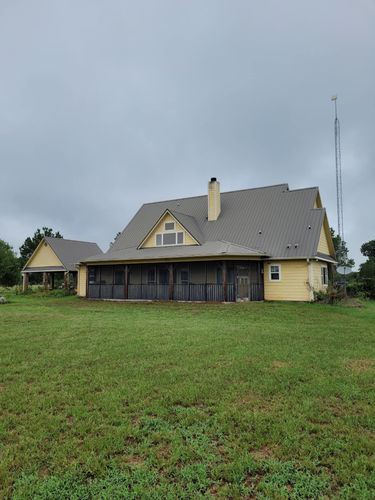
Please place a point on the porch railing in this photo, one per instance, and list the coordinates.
(204, 292)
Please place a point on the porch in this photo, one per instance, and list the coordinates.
(215, 281)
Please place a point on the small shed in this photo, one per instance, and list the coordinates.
(58, 255)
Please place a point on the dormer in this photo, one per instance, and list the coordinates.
(169, 231)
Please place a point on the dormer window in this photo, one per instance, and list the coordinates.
(169, 226)
(170, 238)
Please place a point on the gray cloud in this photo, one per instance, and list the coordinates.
(106, 106)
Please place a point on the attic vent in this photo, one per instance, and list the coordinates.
(296, 245)
(309, 226)
(259, 232)
(288, 246)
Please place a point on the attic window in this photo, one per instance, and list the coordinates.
(169, 226)
(170, 239)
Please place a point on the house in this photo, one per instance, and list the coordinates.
(58, 255)
(268, 243)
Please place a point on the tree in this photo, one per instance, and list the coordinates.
(30, 244)
(341, 250)
(368, 249)
(367, 269)
(9, 265)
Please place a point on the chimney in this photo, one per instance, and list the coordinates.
(214, 205)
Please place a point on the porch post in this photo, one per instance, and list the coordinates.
(225, 281)
(126, 283)
(66, 280)
(45, 281)
(170, 281)
(25, 281)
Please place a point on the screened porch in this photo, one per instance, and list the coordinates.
(224, 281)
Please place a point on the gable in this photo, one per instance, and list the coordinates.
(159, 228)
(325, 244)
(44, 256)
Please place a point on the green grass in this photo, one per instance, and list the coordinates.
(107, 400)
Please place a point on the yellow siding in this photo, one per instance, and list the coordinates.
(81, 281)
(151, 240)
(323, 242)
(44, 256)
(316, 276)
(293, 284)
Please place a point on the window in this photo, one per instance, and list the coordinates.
(166, 239)
(275, 272)
(169, 226)
(324, 275)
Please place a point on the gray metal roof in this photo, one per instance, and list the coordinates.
(70, 252)
(270, 221)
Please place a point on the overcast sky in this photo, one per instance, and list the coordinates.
(107, 105)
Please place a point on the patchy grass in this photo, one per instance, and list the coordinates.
(107, 400)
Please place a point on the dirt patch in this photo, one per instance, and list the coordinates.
(262, 454)
(164, 453)
(134, 460)
(361, 365)
(276, 365)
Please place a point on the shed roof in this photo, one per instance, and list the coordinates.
(69, 252)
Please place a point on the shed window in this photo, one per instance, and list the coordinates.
(324, 275)
(275, 272)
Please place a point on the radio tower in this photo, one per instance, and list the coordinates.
(340, 212)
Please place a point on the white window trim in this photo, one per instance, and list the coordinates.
(171, 244)
(321, 275)
(269, 272)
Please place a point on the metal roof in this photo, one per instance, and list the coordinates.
(70, 252)
(272, 221)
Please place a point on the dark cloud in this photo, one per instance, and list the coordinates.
(104, 106)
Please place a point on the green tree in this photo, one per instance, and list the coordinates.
(30, 244)
(368, 249)
(367, 269)
(341, 251)
(9, 265)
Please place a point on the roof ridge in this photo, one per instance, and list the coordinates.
(74, 241)
(223, 192)
(303, 189)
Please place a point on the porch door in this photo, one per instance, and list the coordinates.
(242, 287)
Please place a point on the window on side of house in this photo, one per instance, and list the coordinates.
(275, 272)
(169, 238)
(158, 239)
(180, 238)
(324, 275)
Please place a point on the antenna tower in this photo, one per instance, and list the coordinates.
(340, 212)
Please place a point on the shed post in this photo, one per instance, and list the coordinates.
(45, 281)
(25, 281)
(66, 280)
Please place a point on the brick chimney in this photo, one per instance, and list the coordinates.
(214, 205)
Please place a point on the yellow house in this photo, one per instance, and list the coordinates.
(268, 243)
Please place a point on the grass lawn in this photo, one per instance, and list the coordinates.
(108, 400)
